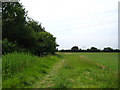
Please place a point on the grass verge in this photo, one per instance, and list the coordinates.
(21, 70)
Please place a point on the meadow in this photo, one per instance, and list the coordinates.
(65, 70)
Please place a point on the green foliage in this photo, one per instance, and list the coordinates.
(108, 49)
(45, 43)
(34, 26)
(74, 48)
(8, 47)
(13, 19)
(26, 32)
(93, 49)
(23, 69)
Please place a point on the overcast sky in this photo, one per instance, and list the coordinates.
(83, 23)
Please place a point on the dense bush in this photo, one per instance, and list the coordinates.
(8, 47)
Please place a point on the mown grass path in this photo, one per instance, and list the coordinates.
(82, 70)
(47, 81)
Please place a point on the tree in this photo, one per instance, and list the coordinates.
(34, 26)
(93, 49)
(74, 48)
(108, 49)
(27, 33)
(14, 20)
(45, 43)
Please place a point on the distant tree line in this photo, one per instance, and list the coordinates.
(92, 49)
(23, 34)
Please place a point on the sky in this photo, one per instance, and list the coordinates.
(82, 23)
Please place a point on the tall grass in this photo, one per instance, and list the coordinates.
(24, 69)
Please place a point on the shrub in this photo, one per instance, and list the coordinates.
(8, 47)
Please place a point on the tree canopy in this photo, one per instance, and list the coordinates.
(75, 48)
(25, 32)
(107, 49)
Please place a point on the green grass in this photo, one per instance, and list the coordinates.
(85, 70)
(108, 59)
(71, 70)
(22, 70)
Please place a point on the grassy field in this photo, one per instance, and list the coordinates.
(69, 70)
(83, 70)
